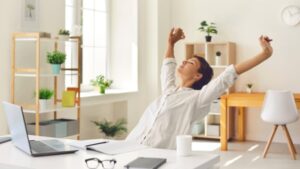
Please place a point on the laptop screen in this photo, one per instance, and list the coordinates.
(17, 127)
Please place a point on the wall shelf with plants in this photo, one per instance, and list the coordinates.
(219, 55)
(32, 54)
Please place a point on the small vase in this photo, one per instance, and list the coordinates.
(208, 38)
(55, 68)
(218, 60)
(249, 90)
(102, 89)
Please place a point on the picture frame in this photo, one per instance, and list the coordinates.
(30, 15)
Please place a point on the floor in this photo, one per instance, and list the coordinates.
(247, 155)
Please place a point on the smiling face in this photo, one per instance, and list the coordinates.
(188, 71)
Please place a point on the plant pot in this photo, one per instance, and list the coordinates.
(249, 90)
(102, 89)
(55, 68)
(208, 38)
(63, 37)
(218, 60)
(44, 105)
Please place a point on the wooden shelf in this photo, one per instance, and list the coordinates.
(43, 74)
(219, 64)
(50, 110)
(34, 75)
(38, 38)
(206, 137)
(213, 113)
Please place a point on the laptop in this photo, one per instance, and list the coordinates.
(19, 135)
(4, 139)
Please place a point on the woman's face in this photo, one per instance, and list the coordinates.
(188, 70)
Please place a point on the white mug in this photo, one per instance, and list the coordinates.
(184, 145)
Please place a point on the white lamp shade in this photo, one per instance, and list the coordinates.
(279, 107)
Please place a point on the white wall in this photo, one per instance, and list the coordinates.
(243, 22)
(123, 53)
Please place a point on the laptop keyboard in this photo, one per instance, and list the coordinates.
(40, 147)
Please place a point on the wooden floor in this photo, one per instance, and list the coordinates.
(248, 155)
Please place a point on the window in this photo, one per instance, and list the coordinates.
(109, 30)
(92, 15)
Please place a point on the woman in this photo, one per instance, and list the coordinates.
(174, 112)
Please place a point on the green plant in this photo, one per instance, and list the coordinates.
(208, 28)
(45, 93)
(30, 8)
(64, 32)
(111, 129)
(250, 85)
(101, 81)
(56, 57)
(218, 53)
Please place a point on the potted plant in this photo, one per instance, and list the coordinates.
(63, 34)
(56, 58)
(102, 83)
(30, 8)
(110, 129)
(209, 29)
(44, 95)
(218, 58)
(249, 87)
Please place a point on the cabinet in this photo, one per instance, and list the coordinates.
(219, 55)
(30, 72)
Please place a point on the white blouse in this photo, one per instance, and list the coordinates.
(176, 109)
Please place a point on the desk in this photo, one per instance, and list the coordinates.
(241, 101)
(10, 156)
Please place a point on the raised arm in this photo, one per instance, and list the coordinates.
(169, 63)
(262, 56)
(174, 36)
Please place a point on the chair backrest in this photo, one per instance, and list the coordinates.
(279, 107)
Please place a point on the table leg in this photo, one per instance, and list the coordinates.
(241, 124)
(223, 123)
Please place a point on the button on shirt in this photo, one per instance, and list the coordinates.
(174, 112)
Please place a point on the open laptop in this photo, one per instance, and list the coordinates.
(19, 135)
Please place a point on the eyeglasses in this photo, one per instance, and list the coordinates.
(93, 163)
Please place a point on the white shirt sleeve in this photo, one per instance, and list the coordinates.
(216, 88)
(168, 74)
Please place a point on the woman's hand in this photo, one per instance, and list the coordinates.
(267, 49)
(175, 35)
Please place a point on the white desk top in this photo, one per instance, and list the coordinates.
(11, 156)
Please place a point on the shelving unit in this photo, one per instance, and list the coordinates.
(35, 68)
(211, 123)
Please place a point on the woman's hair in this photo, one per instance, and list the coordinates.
(206, 71)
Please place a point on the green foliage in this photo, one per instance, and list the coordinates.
(101, 81)
(56, 57)
(64, 32)
(208, 28)
(111, 129)
(249, 85)
(30, 7)
(45, 93)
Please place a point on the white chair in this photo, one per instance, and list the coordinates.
(280, 109)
